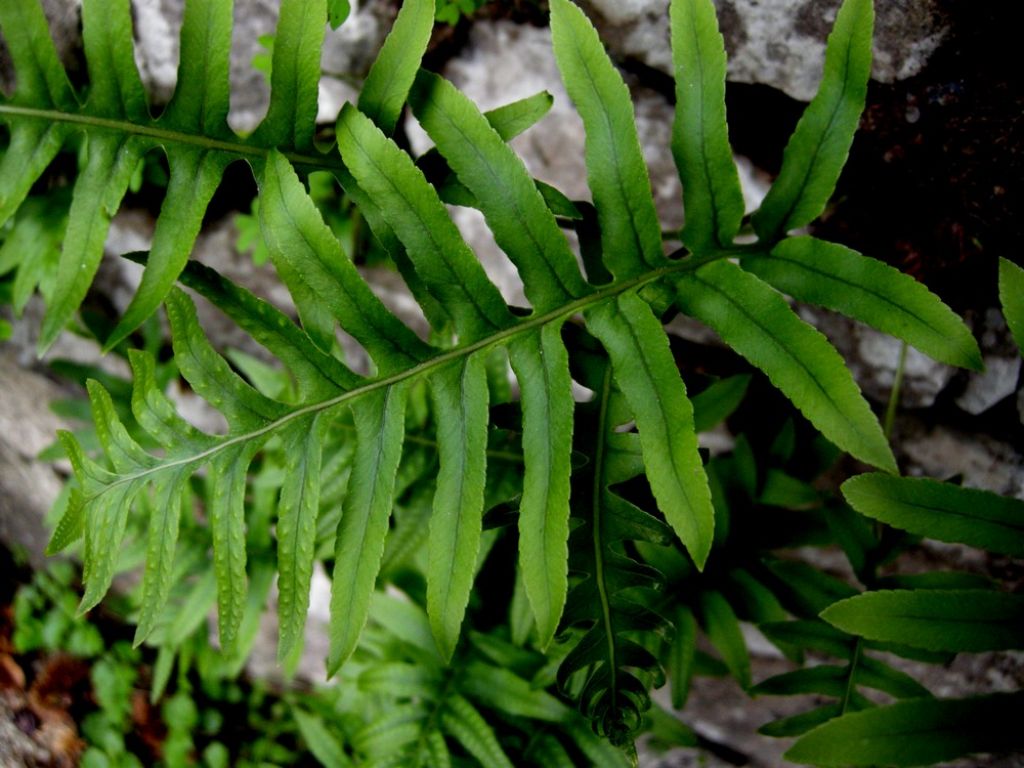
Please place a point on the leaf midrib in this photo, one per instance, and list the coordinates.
(795, 359)
(952, 511)
(426, 367)
(155, 131)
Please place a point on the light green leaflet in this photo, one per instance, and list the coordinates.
(296, 527)
(295, 75)
(936, 620)
(522, 224)
(326, 285)
(410, 206)
(459, 394)
(391, 75)
(700, 139)
(756, 322)
(541, 365)
(916, 732)
(650, 381)
(835, 277)
(380, 428)
(110, 163)
(941, 511)
(817, 151)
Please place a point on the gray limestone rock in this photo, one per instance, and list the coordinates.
(874, 356)
(779, 43)
(28, 487)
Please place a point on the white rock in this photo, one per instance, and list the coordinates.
(779, 43)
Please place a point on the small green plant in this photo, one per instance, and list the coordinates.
(607, 538)
(450, 11)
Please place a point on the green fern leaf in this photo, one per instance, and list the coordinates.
(513, 207)
(941, 511)
(295, 75)
(459, 394)
(326, 286)
(118, 130)
(821, 142)
(651, 384)
(607, 670)
(391, 76)
(296, 527)
(195, 176)
(758, 324)
(1011, 296)
(465, 723)
(321, 742)
(161, 541)
(723, 629)
(937, 620)
(681, 654)
(617, 174)
(541, 365)
(915, 732)
(504, 691)
(379, 420)
(102, 183)
(712, 197)
(414, 212)
(840, 279)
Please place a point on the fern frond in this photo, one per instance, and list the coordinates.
(608, 670)
(117, 131)
(619, 301)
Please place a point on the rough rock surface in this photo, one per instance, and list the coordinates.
(28, 487)
(779, 43)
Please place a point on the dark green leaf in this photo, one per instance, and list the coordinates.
(380, 428)
(716, 403)
(821, 142)
(917, 732)
(321, 742)
(459, 394)
(723, 629)
(391, 76)
(541, 366)
(868, 290)
(937, 620)
(754, 320)
(337, 12)
(940, 511)
(647, 374)
(616, 172)
(1011, 296)
(700, 138)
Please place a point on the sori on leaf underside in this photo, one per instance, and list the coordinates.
(630, 285)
